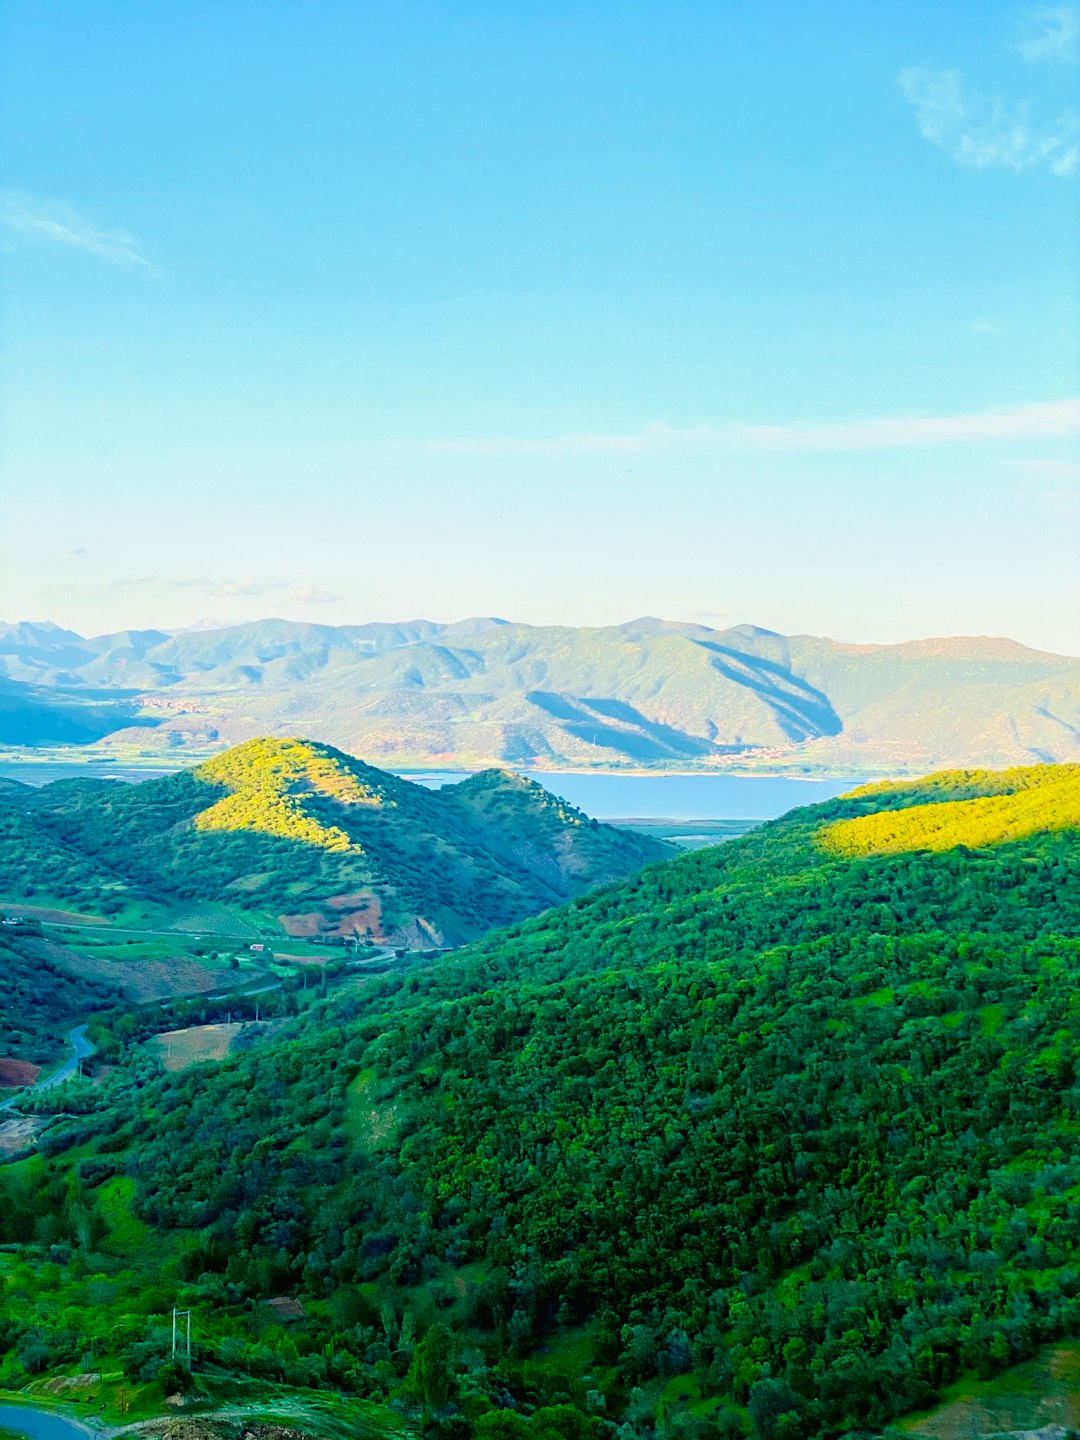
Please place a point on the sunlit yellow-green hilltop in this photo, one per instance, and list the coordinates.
(313, 842)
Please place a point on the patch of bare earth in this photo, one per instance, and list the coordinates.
(177, 1049)
(302, 927)
(140, 980)
(20, 1134)
(54, 917)
(211, 1427)
(68, 1385)
(16, 1073)
(358, 912)
(1037, 1400)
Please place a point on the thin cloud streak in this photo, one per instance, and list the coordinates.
(47, 223)
(1063, 470)
(243, 587)
(1023, 422)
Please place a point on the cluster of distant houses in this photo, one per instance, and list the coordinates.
(20, 922)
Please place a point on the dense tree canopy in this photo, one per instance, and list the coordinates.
(799, 1122)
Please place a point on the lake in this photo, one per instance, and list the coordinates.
(674, 797)
(41, 1424)
(605, 796)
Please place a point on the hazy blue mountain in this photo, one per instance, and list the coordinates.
(650, 693)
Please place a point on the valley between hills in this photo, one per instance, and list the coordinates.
(535, 1128)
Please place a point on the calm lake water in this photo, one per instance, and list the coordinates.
(41, 1424)
(607, 797)
(675, 797)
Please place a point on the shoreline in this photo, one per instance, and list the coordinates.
(95, 765)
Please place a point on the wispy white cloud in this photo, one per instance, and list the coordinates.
(311, 595)
(986, 131)
(1021, 422)
(47, 222)
(223, 589)
(248, 586)
(1067, 471)
(1051, 32)
(982, 326)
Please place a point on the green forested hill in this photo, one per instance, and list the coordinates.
(790, 1128)
(313, 840)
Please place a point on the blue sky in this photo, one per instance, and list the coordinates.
(343, 311)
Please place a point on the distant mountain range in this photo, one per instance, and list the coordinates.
(647, 694)
(310, 843)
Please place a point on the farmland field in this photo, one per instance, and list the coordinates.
(177, 1049)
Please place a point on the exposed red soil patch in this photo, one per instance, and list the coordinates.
(357, 901)
(301, 927)
(359, 911)
(14, 1073)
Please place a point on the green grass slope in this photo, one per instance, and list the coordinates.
(313, 839)
(783, 1134)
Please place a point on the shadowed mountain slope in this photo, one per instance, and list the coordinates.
(645, 694)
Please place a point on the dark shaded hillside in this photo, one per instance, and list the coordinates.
(39, 1000)
(798, 1124)
(33, 716)
(315, 840)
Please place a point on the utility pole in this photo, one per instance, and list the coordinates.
(185, 1339)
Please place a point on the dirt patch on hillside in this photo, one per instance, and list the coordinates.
(158, 979)
(139, 980)
(19, 1134)
(54, 917)
(220, 1428)
(177, 1049)
(356, 902)
(71, 1385)
(1035, 1398)
(302, 927)
(16, 1073)
(358, 912)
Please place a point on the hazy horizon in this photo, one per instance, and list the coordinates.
(208, 626)
(728, 313)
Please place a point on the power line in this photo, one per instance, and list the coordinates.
(185, 1339)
